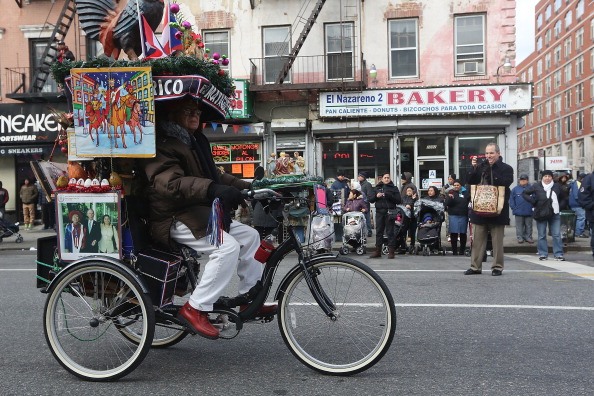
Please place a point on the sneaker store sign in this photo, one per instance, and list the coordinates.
(27, 123)
(428, 101)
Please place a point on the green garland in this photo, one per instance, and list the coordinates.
(287, 181)
(173, 66)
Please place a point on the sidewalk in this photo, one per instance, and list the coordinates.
(510, 243)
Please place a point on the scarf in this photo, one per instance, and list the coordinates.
(551, 194)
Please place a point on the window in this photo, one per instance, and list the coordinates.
(557, 55)
(530, 74)
(579, 120)
(567, 122)
(579, 38)
(569, 151)
(558, 129)
(567, 45)
(539, 21)
(548, 12)
(579, 9)
(470, 44)
(539, 43)
(403, 48)
(557, 5)
(36, 49)
(217, 41)
(548, 108)
(579, 65)
(579, 93)
(548, 85)
(547, 61)
(339, 51)
(580, 148)
(557, 78)
(540, 139)
(592, 88)
(568, 19)
(547, 37)
(567, 73)
(557, 28)
(557, 104)
(568, 99)
(276, 50)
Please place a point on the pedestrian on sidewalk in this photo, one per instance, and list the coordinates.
(28, 195)
(522, 209)
(586, 200)
(367, 190)
(456, 204)
(494, 172)
(547, 198)
(386, 196)
(580, 213)
(3, 200)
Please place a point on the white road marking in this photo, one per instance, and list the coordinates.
(457, 270)
(18, 269)
(557, 307)
(583, 271)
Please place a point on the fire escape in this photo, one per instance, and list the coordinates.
(310, 72)
(39, 75)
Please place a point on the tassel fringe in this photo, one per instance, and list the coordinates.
(215, 223)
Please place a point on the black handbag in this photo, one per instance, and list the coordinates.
(545, 212)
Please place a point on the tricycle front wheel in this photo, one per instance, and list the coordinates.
(363, 320)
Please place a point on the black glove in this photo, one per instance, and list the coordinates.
(229, 196)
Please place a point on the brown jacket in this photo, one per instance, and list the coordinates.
(177, 189)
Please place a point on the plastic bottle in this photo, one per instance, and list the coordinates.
(267, 246)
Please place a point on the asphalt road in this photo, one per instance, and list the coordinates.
(528, 332)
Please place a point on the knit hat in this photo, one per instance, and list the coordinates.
(523, 176)
(547, 172)
(363, 174)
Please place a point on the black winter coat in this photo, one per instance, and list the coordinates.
(389, 201)
(540, 199)
(586, 196)
(503, 175)
(456, 203)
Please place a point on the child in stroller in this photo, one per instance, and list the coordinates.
(401, 216)
(8, 230)
(430, 215)
(354, 233)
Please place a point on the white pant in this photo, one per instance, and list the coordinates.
(237, 251)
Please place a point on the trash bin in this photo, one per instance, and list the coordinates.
(568, 219)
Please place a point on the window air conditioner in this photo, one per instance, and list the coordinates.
(470, 67)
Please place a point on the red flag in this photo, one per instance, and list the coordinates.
(151, 47)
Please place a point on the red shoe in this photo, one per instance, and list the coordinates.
(265, 310)
(197, 321)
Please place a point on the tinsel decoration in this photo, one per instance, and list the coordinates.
(170, 66)
(215, 227)
(287, 181)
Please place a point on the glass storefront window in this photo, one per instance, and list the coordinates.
(407, 155)
(370, 156)
(238, 159)
(469, 146)
(431, 146)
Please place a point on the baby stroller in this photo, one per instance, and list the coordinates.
(401, 216)
(321, 233)
(354, 233)
(8, 230)
(430, 215)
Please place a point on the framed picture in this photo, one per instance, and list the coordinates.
(47, 173)
(88, 224)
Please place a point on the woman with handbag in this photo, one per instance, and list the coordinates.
(456, 204)
(547, 199)
(109, 242)
(385, 196)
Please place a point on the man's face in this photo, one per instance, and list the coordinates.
(188, 116)
(491, 154)
(523, 182)
(547, 179)
(403, 181)
(340, 177)
(360, 178)
(90, 214)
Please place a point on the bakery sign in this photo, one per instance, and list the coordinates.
(428, 101)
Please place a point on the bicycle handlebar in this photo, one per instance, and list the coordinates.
(262, 193)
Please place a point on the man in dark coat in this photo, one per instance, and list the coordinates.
(492, 171)
(386, 196)
(183, 182)
(586, 200)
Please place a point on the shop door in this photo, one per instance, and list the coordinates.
(432, 172)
